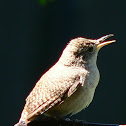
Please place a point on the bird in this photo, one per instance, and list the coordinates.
(69, 85)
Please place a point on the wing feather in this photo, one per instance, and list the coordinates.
(49, 91)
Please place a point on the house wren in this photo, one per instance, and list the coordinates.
(69, 85)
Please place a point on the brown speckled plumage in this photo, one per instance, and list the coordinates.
(69, 85)
(51, 89)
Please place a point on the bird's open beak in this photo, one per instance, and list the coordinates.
(102, 43)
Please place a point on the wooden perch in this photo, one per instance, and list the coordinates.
(67, 122)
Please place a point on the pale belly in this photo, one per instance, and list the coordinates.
(79, 100)
(74, 104)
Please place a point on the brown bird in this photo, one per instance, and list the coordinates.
(69, 85)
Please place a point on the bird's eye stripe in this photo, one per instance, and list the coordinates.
(90, 44)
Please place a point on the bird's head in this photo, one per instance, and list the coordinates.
(81, 51)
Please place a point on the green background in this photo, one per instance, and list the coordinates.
(32, 37)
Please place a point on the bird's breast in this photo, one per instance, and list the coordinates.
(81, 98)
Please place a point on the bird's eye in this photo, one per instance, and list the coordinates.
(90, 49)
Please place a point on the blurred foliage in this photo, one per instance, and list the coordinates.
(44, 2)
